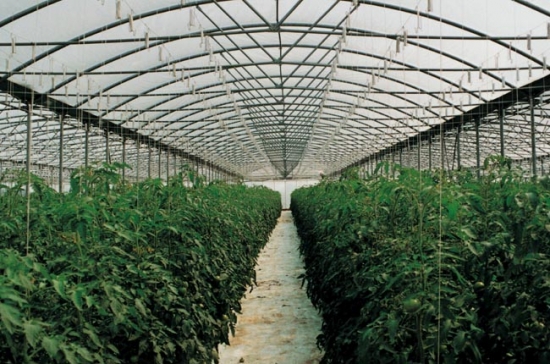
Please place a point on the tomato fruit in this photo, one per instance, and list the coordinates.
(479, 285)
(411, 305)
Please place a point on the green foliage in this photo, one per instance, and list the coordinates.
(122, 273)
(407, 269)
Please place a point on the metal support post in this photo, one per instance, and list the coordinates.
(167, 165)
(418, 152)
(29, 143)
(87, 145)
(138, 147)
(149, 156)
(458, 150)
(430, 154)
(478, 152)
(533, 136)
(61, 150)
(160, 164)
(123, 158)
(501, 115)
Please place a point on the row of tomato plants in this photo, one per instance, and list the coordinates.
(116, 273)
(421, 267)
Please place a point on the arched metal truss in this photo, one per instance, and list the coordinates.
(272, 88)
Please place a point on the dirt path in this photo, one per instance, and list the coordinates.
(278, 325)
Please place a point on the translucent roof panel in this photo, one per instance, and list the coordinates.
(273, 89)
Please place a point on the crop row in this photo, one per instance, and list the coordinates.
(422, 267)
(116, 273)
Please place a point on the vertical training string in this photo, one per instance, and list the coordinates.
(440, 243)
(28, 189)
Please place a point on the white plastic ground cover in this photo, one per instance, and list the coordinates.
(271, 89)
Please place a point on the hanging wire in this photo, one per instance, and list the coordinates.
(440, 242)
(29, 153)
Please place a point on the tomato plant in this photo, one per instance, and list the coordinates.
(409, 266)
(147, 273)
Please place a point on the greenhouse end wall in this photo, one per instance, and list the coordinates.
(285, 188)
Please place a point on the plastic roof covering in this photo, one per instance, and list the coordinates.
(266, 88)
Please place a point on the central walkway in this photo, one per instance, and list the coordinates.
(278, 325)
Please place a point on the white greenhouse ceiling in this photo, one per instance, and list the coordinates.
(274, 88)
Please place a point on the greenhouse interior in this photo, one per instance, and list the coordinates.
(148, 150)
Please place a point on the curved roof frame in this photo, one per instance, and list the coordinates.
(118, 23)
(260, 117)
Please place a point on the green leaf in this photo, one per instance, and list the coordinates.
(125, 235)
(32, 332)
(459, 276)
(10, 317)
(76, 297)
(70, 354)
(24, 281)
(90, 331)
(141, 308)
(121, 252)
(172, 229)
(59, 287)
(459, 341)
(393, 325)
(90, 301)
(118, 309)
(51, 345)
(468, 232)
(12, 295)
(113, 348)
(84, 353)
(472, 249)
(393, 281)
(453, 209)
(40, 269)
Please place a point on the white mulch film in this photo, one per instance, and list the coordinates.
(278, 324)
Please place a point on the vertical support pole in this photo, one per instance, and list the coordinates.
(87, 145)
(123, 158)
(401, 156)
(29, 143)
(393, 164)
(409, 156)
(442, 148)
(501, 115)
(184, 165)
(149, 156)
(430, 154)
(533, 136)
(478, 152)
(107, 154)
(418, 152)
(29, 153)
(458, 148)
(167, 165)
(175, 164)
(61, 150)
(160, 164)
(138, 147)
